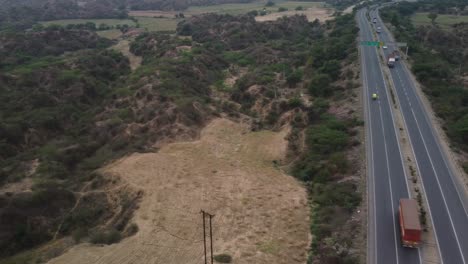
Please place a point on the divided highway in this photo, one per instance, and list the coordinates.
(386, 175)
(445, 198)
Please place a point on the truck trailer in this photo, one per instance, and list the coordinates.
(410, 227)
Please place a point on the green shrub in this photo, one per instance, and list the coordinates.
(238, 57)
(295, 102)
(320, 85)
(223, 258)
(79, 234)
(465, 167)
(294, 77)
(108, 237)
(326, 140)
(132, 229)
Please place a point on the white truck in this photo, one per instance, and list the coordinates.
(391, 61)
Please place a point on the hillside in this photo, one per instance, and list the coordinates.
(260, 213)
(72, 106)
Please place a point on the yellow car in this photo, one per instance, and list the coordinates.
(374, 96)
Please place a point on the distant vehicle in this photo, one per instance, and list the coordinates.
(396, 54)
(384, 47)
(378, 31)
(375, 20)
(391, 61)
(375, 96)
(410, 227)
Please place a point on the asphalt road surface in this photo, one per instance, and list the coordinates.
(386, 175)
(445, 197)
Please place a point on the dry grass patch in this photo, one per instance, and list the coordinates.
(261, 214)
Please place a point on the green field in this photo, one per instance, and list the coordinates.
(110, 22)
(236, 9)
(110, 34)
(445, 21)
(158, 24)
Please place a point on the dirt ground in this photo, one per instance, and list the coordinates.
(261, 214)
(319, 13)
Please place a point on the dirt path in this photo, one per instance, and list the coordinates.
(261, 214)
(124, 47)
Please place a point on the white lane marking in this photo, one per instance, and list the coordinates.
(418, 100)
(440, 187)
(390, 185)
(388, 168)
(371, 170)
(419, 172)
(398, 138)
(394, 127)
(422, 179)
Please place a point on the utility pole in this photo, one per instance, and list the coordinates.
(211, 239)
(204, 234)
(210, 216)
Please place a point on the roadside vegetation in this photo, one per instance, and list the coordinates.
(438, 54)
(324, 164)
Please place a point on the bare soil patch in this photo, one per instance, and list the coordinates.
(322, 14)
(261, 214)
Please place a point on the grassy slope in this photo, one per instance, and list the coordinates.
(445, 21)
(158, 24)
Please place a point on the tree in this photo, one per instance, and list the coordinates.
(253, 13)
(460, 129)
(270, 3)
(282, 9)
(294, 77)
(103, 26)
(432, 17)
(320, 85)
(38, 27)
(394, 20)
(299, 8)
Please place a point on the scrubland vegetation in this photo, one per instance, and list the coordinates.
(69, 105)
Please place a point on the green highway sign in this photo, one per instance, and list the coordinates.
(371, 43)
